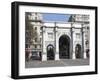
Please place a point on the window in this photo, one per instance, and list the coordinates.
(35, 39)
(26, 45)
(77, 35)
(35, 28)
(35, 46)
(35, 18)
(87, 28)
(40, 33)
(50, 35)
(87, 43)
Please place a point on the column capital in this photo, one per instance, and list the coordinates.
(56, 28)
(43, 28)
(72, 29)
(72, 24)
(83, 29)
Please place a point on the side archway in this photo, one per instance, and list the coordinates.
(78, 51)
(50, 52)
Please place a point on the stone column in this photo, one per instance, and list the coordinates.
(56, 44)
(83, 43)
(72, 42)
(44, 54)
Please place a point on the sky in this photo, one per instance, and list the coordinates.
(55, 17)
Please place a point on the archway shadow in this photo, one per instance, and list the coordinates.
(64, 47)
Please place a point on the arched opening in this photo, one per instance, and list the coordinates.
(50, 52)
(64, 47)
(78, 51)
(87, 48)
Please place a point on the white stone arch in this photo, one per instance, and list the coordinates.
(64, 34)
(48, 43)
(65, 31)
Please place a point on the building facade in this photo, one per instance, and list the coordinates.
(60, 40)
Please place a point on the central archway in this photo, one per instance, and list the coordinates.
(50, 52)
(64, 47)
